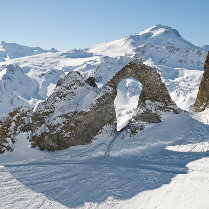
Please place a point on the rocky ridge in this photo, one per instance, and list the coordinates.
(78, 110)
(81, 126)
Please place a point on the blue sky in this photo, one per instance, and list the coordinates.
(68, 24)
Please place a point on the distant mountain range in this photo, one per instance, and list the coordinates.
(13, 50)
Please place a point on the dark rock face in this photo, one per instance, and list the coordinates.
(91, 81)
(77, 110)
(202, 100)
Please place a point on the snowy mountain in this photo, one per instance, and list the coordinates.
(13, 50)
(158, 35)
(115, 106)
(179, 62)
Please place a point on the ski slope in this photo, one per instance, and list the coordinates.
(151, 170)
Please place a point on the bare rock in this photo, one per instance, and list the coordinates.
(202, 100)
(80, 127)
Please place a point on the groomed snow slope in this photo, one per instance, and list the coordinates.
(151, 170)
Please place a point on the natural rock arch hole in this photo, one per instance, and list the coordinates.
(126, 101)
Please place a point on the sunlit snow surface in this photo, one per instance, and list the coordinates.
(126, 101)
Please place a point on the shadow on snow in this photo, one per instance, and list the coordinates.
(75, 182)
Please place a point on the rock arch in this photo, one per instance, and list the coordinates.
(83, 126)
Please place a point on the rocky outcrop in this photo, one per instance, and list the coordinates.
(11, 126)
(58, 122)
(202, 100)
(80, 126)
(77, 110)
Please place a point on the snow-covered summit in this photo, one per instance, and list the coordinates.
(164, 35)
(159, 35)
(14, 50)
(159, 29)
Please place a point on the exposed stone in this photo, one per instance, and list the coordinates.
(148, 117)
(202, 100)
(81, 127)
(67, 118)
(91, 81)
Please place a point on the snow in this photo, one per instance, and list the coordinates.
(184, 191)
(43, 71)
(139, 172)
(196, 147)
(77, 53)
(126, 101)
(23, 150)
(50, 89)
(79, 96)
(34, 81)
(184, 87)
(116, 48)
(203, 116)
(13, 50)
(158, 35)
(22, 197)
(2, 73)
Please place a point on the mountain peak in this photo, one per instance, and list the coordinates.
(158, 35)
(159, 29)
